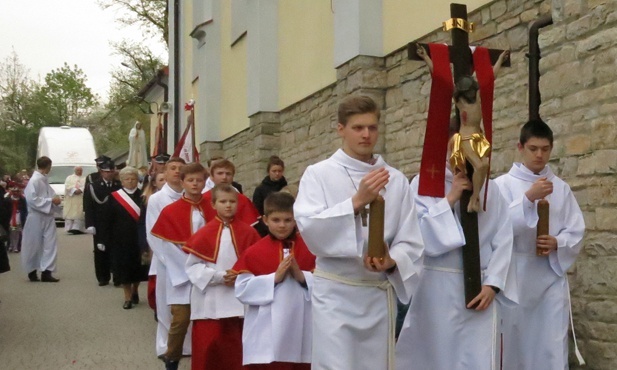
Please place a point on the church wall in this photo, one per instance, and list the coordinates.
(579, 92)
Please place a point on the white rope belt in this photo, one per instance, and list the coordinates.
(381, 284)
(579, 356)
(443, 269)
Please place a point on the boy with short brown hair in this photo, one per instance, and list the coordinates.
(275, 281)
(215, 312)
(175, 225)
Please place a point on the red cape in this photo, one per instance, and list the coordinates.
(246, 212)
(265, 256)
(206, 241)
(174, 223)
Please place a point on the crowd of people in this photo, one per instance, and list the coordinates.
(284, 281)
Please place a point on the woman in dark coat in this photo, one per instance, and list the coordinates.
(125, 209)
(274, 182)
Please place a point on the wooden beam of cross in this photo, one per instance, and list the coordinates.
(462, 61)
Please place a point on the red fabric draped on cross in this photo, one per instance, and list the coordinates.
(486, 81)
(432, 167)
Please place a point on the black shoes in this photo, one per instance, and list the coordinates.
(46, 277)
(103, 283)
(127, 305)
(169, 364)
(135, 298)
(32, 276)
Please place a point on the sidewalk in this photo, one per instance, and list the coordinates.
(73, 324)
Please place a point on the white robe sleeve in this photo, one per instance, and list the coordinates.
(255, 290)
(200, 274)
(441, 230)
(499, 267)
(570, 237)
(523, 212)
(36, 197)
(174, 260)
(259, 290)
(152, 213)
(69, 185)
(406, 247)
(328, 230)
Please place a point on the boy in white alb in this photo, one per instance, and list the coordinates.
(353, 300)
(275, 280)
(215, 312)
(535, 333)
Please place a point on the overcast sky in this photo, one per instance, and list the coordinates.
(47, 33)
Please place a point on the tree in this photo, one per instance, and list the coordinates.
(15, 92)
(26, 106)
(18, 134)
(140, 66)
(150, 15)
(64, 98)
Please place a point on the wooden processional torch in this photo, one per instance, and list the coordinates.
(376, 228)
(542, 229)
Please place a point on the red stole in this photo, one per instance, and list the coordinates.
(246, 212)
(265, 256)
(14, 212)
(174, 223)
(432, 165)
(206, 242)
(486, 81)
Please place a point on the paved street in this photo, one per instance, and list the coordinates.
(73, 324)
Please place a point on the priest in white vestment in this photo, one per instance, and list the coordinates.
(138, 153)
(39, 243)
(73, 210)
(171, 192)
(536, 331)
(440, 332)
(354, 304)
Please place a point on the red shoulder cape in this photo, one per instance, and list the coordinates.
(265, 256)
(206, 241)
(246, 212)
(174, 222)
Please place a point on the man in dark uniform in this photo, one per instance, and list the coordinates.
(96, 176)
(96, 203)
(159, 163)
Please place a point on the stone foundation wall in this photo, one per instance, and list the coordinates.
(579, 92)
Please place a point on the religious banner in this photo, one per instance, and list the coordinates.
(159, 138)
(186, 148)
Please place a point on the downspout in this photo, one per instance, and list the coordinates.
(534, 66)
(176, 107)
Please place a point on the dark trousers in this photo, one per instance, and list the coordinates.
(102, 265)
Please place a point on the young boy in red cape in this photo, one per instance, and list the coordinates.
(275, 280)
(175, 225)
(215, 311)
(222, 172)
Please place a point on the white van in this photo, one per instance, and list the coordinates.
(67, 147)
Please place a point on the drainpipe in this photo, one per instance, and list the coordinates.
(534, 65)
(177, 109)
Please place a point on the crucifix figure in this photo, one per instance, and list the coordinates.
(470, 145)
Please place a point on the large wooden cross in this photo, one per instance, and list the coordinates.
(462, 61)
